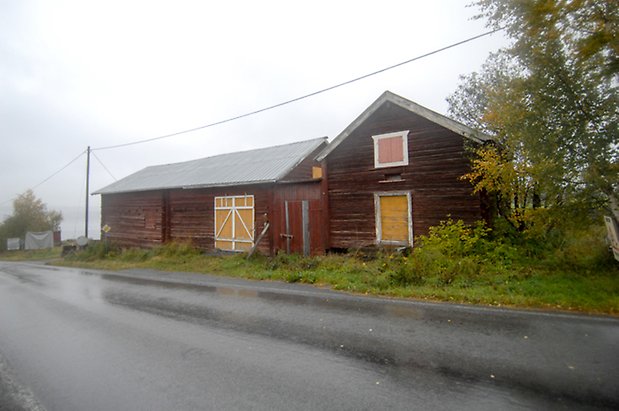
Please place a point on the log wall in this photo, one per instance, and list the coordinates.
(303, 171)
(437, 160)
(135, 219)
(192, 213)
(147, 219)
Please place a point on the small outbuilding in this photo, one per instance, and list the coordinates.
(394, 172)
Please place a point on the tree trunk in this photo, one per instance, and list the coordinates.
(537, 200)
(614, 205)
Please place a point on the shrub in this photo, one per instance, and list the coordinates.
(583, 250)
(456, 239)
(456, 253)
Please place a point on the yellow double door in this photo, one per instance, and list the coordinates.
(234, 223)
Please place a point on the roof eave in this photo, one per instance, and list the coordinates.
(190, 187)
(141, 190)
(231, 184)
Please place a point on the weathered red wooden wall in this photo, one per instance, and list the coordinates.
(192, 213)
(295, 194)
(135, 219)
(303, 170)
(147, 219)
(437, 160)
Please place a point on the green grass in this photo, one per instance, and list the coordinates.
(455, 262)
(583, 281)
(31, 255)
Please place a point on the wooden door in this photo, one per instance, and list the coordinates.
(393, 219)
(234, 223)
(300, 225)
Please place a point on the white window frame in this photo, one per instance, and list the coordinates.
(379, 229)
(233, 210)
(404, 135)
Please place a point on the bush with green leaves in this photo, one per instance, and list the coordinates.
(456, 239)
(454, 252)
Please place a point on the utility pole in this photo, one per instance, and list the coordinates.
(87, 189)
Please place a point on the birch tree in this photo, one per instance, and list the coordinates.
(551, 100)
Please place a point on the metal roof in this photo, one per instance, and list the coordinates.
(262, 165)
(387, 96)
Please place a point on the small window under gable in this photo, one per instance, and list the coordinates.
(391, 149)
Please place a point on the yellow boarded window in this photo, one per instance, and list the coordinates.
(234, 222)
(393, 221)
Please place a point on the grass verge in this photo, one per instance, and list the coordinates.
(31, 255)
(554, 282)
(455, 262)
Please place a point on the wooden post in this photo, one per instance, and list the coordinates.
(305, 224)
(288, 236)
(87, 190)
(253, 248)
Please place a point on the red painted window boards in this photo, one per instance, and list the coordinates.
(390, 150)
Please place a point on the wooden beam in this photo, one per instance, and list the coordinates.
(253, 249)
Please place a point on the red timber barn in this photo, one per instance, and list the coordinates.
(223, 202)
(389, 176)
(396, 171)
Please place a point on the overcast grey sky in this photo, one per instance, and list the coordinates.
(75, 73)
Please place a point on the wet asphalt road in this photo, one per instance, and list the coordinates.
(91, 340)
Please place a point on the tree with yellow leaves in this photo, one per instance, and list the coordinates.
(551, 100)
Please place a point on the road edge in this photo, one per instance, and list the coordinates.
(14, 395)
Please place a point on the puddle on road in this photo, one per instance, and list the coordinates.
(283, 296)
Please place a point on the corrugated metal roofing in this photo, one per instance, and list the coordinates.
(263, 165)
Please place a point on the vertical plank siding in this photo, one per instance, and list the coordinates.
(295, 194)
(437, 160)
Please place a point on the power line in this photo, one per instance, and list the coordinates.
(148, 140)
(61, 169)
(52, 175)
(103, 165)
(303, 97)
